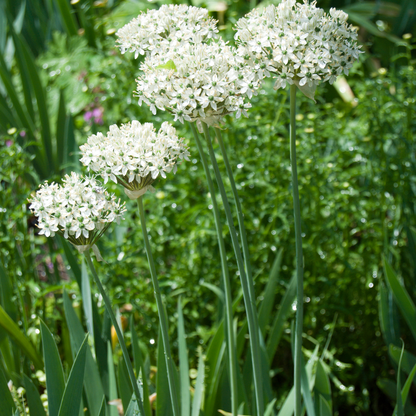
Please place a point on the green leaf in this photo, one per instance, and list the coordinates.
(93, 387)
(322, 388)
(6, 294)
(60, 129)
(387, 316)
(288, 406)
(67, 17)
(265, 311)
(403, 300)
(408, 359)
(33, 399)
(199, 386)
(214, 357)
(124, 385)
(111, 380)
(406, 388)
(270, 408)
(71, 400)
(399, 405)
(6, 402)
(19, 338)
(140, 368)
(163, 403)
(325, 407)
(279, 322)
(183, 364)
(55, 383)
(40, 94)
(216, 290)
(168, 65)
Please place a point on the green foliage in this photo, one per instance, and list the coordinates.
(358, 184)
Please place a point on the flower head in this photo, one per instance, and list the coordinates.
(171, 25)
(201, 82)
(133, 154)
(298, 43)
(80, 209)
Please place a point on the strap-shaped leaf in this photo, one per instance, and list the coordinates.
(140, 368)
(183, 364)
(6, 402)
(71, 400)
(199, 386)
(93, 387)
(33, 399)
(403, 300)
(19, 338)
(55, 382)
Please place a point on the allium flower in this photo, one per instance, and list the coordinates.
(202, 82)
(80, 209)
(134, 155)
(297, 43)
(157, 30)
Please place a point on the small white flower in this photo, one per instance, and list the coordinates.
(208, 81)
(79, 209)
(133, 154)
(155, 31)
(304, 44)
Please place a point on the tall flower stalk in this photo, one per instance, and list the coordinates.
(161, 312)
(135, 155)
(299, 254)
(231, 343)
(119, 333)
(246, 284)
(300, 46)
(81, 210)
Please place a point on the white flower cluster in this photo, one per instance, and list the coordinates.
(158, 30)
(134, 155)
(80, 209)
(297, 42)
(198, 82)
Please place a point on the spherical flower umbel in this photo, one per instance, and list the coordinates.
(298, 43)
(80, 209)
(198, 82)
(171, 25)
(134, 155)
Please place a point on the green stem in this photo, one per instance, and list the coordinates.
(120, 337)
(161, 311)
(248, 294)
(240, 215)
(227, 286)
(299, 254)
